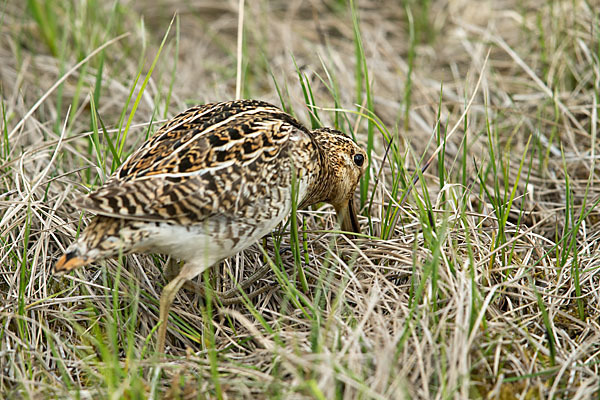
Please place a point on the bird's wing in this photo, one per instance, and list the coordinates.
(213, 159)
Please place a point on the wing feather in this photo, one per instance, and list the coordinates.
(214, 159)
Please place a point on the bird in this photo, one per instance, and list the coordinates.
(211, 182)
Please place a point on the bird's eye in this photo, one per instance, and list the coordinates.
(359, 159)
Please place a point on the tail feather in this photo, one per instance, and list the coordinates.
(68, 262)
(103, 238)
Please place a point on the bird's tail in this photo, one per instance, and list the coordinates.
(69, 261)
(102, 238)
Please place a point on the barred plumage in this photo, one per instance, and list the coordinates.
(212, 181)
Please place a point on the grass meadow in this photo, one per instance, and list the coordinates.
(482, 282)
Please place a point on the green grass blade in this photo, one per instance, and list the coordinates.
(142, 88)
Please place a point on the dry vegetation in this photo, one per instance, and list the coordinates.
(483, 285)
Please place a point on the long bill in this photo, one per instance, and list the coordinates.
(347, 217)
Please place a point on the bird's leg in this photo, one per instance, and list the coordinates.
(189, 271)
(166, 298)
(234, 296)
(231, 296)
(172, 269)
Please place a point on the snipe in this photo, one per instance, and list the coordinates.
(211, 182)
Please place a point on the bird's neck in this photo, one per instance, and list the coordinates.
(319, 187)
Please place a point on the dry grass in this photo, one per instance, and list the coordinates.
(485, 285)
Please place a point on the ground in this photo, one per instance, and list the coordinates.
(481, 283)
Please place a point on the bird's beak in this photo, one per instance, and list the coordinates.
(347, 217)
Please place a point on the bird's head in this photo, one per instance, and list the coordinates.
(345, 163)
